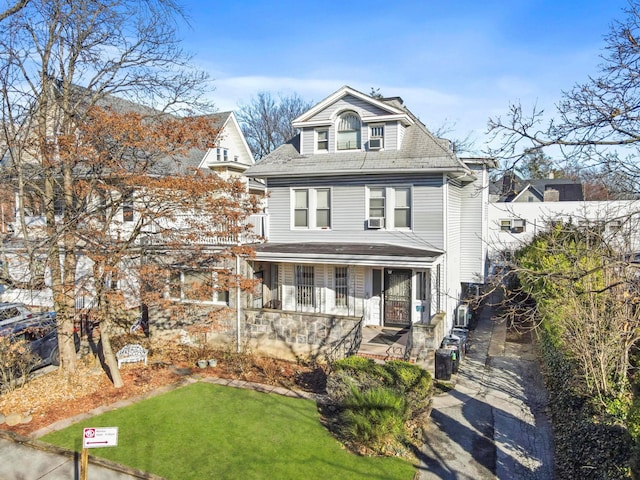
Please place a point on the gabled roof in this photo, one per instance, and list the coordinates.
(391, 105)
(513, 196)
(510, 187)
(421, 151)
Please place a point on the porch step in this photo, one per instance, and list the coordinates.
(381, 358)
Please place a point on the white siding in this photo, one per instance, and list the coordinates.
(538, 215)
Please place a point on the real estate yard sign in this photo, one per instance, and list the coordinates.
(95, 438)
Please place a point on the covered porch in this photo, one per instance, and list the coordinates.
(394, 292)
(386, 285)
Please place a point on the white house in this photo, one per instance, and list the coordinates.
(513, 224)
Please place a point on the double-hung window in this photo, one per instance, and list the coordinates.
(322, 140)
(301, 208)
(402, 208)
(312, 208)
(390, 207)
(323, 208)
(127, 207)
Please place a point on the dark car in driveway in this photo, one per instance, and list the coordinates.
(40, 336)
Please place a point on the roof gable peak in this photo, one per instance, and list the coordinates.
(344, 92)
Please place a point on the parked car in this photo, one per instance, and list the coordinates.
(15, 312)
(41, 337)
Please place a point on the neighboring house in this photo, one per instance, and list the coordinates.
(229, 158)
(510, 188)
(513, 225)
(232, 155)
(372, 221)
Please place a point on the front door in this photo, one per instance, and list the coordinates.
(397, 297)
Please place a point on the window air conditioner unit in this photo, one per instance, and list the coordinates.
(462, 316)
(375, 143)
(375, 222)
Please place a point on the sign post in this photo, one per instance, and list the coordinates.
(95, 438)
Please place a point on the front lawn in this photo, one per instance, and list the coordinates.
(211, 431)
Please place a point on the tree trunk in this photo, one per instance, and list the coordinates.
(110, 358)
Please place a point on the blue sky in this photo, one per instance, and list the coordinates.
(457, 62)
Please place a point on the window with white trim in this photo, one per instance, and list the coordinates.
(393, 205)
(376, 137)
(341, 285)
(323, 208)
(513, 225)
(377, 203)
(222, 154)
(127, 207)
(322, 140)
(518, 225)
(305, 286)
(196, 286)
(348, 131)
(312, 208)
(402, 208)
(301, 208)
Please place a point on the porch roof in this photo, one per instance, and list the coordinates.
(367, 254)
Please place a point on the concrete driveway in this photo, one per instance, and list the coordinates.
(494, 423)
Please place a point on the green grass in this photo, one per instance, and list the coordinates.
(210, 431)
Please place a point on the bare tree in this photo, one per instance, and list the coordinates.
(16, 7)
(73, 77)
(596, 123)
(459, 145)
(266, 121)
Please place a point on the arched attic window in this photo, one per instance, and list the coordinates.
(348, 130)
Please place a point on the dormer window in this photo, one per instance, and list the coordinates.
(322, 140)
(376, 137)
(349, 131)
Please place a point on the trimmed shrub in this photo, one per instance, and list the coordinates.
(379, 404)
(409, 377)
(373, 417)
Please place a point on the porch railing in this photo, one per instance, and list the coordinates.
(409, 346)
(256, 233)
(349, 344)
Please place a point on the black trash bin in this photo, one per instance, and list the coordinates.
(444, 364)
(454, 352)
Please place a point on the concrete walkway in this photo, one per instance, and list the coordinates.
(493, 423)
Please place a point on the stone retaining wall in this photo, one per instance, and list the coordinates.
(298, 334)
